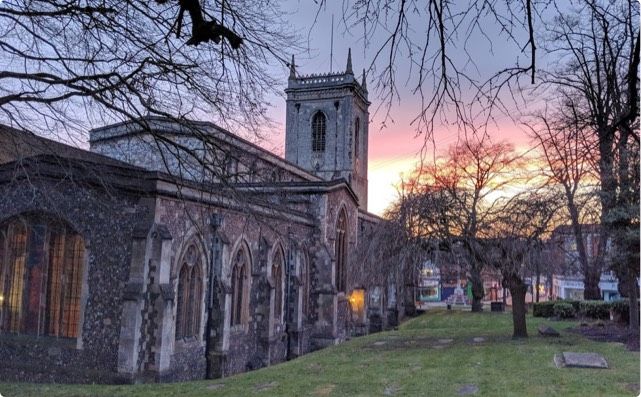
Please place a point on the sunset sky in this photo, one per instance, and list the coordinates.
(395, 149)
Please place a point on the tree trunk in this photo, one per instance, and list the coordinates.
(518, 290)
(634, 309)
(590, 268)
(538, 282)
(477, 289)
(591, 280)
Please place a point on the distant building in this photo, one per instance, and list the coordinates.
(567, 280)
(571, 287)
(428, 287)
(438, 278)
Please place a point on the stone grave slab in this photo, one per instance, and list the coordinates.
(265, 386)
(391, 390)
(466, 390)
(580, 360)
(546, 331)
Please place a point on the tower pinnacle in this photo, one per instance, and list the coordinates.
(348, 69)
(292, 69)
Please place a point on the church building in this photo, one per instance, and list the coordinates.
(175, 251)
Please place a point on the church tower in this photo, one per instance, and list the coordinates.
(327, 126)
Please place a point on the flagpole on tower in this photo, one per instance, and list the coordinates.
(331, 48)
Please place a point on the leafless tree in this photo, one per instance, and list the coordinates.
(456, 200)
(564, 145)
(68, 65)
(597, 43)
(517, 245)
(439, 38)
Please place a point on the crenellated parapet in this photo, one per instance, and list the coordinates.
(325, 81)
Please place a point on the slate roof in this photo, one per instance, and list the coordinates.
(17, 145)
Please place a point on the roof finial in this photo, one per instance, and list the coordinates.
(364, 83)
(348, 69)
(292, 69)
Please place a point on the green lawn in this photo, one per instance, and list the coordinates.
(412, 362)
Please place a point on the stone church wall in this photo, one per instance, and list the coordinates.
(105, 222)
(251, 346)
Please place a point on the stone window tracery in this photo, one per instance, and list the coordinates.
(240, 288)
(319, 127)
(41, 269)
(277, 276)
(340, 246)
(305, 287)
(189, 297)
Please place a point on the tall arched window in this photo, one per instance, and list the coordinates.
(319, 127)
(357, 128)
(305, 284)
(41, 266)
(190, 294)
(340, 246)
(277, 276)
(240, 287)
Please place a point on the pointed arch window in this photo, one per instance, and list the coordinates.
(340, 246)
(277, 276)
(305, 287)
(319, 127)
(41, 269)
(240, 287)
(190, 294)
(357, 128)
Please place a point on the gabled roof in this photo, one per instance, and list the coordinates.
(185, 127)
(17, 145)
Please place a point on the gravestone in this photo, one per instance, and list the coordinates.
(580, 360)
(265, 386)
(466, 390)
(546, 330)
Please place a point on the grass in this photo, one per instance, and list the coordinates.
(412, 362)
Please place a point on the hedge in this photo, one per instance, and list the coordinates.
(543, 309)
(598, 310)
(575, 304)
(563, 309)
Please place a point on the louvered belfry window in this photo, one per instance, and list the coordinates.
(319, 128)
